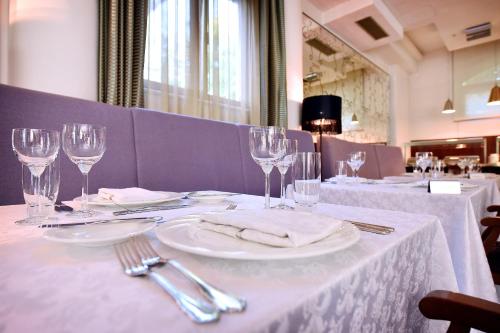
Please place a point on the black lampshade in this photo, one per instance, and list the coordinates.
(322, 113)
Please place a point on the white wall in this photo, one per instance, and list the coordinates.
(293, 42)
(429, 89)
(399, 106)
(53, 46)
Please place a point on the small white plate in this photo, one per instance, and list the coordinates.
(94, 235)
(169, 196)
(209, 196)
(182, 235)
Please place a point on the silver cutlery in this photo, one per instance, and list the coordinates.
(232, 206)
(224, 301)
(375, 228)
(198, 310)
(150, 209)
(103, 221)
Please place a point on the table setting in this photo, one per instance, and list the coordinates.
(459, 214)
(232, 262)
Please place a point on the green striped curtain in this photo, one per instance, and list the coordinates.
(122, 38)
(272, 63)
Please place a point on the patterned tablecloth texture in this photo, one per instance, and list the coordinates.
(459, 216)
(374, 286)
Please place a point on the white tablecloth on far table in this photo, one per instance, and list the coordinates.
(374, 286)
(459, 215)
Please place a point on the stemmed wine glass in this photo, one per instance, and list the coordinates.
(266, 148)
(84, 144)
(283, 164)
(355, 161)
(36, 149)
(423, 160)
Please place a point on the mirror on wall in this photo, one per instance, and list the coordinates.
(332, 67)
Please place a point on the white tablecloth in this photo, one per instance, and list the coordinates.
(373, 286)
(459, 215)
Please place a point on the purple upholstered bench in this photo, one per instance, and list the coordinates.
(150, 149)
(381, 161)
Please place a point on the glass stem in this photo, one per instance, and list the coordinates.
(283, 189)
(267, 192)
(38, 195)
(85, 191)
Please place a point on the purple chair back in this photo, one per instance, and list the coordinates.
(390, 160)
(333, 150)
(21, 108)
(150, 149)
(181, 153)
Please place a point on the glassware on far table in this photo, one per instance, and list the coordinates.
(266, 148)
(462, 164)
(437, 169)
(423, 160)
(355, 161)
(35, 149)
(84, 144)
(283, 164)
(340, 171)
(307, 178)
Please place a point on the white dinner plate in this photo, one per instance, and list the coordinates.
(93, 235)
(169, 196)
(182, 234)
(209, 196)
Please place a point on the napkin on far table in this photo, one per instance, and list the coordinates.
(278, 228)
(127, 195)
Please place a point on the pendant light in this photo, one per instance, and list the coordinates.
(354, 119)
(495, 91)
(448, 105)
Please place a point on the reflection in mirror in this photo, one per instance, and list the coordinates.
(332, 67)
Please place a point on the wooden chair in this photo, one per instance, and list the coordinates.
(462, 311)
(490, 242)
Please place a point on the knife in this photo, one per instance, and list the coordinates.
(149, 209)
(132, 219)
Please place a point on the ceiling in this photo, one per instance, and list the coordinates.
(429, 24)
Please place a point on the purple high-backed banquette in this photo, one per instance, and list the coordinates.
(149, 149)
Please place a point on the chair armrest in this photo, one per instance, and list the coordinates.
(494, 209)
(493, 221)
(464, 312)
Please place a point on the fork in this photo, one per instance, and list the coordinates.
(224, 301)
(198, 310)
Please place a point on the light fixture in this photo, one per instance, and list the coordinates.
(495, 91)
(448, 105)
(354, 119)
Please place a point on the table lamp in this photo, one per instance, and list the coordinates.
(322, 114)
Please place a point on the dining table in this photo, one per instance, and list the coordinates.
(374, 285)
(459, 215)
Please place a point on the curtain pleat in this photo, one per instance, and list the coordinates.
(122, 38)
(273, 103)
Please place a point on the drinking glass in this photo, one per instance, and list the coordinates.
(355, 161)
(84, 144)
(266, 148)
(35, 149)
(283, 164)
(341, 171)
(423, 160)
(437, 168)
(40, 206)
(307, 178)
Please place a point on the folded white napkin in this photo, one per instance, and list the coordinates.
(128, 195)
(278, 228)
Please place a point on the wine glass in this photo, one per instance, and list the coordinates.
(35, 149)
(355, 161)
(283, 164)
(462, 164)
(423, 160)
(266, 148)
(84, 144)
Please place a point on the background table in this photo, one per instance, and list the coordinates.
(373, 286)
(459, 215)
